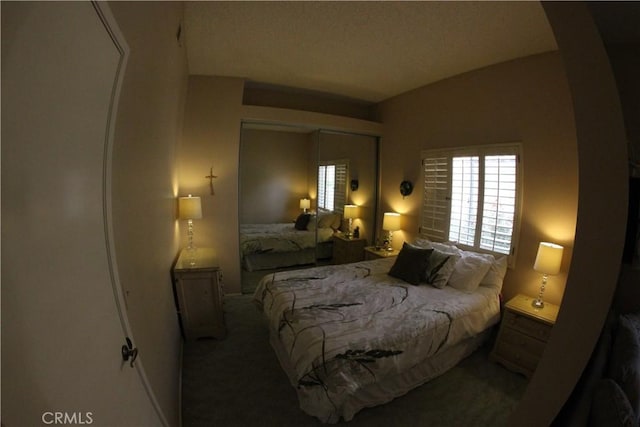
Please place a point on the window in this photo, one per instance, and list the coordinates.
(332, 185)
(471, 197)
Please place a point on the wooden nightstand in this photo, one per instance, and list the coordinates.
(348, 250)
(200, 295)
(523, 334)
(370, 252)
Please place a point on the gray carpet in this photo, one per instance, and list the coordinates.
(238, 382)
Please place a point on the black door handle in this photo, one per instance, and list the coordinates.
(129, 352)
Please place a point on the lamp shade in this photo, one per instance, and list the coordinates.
(391, 221)
(305, 203)
(189, 207)
(549, 258)
(350, 211)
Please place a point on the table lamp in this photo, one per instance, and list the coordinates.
(548, 261)
(391, 223)
(189, 208)
(305, 204)
(350, 212)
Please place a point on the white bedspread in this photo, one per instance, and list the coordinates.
(341, 328)
(282, 237)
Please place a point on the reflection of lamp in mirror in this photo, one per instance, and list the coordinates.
(391, 223)
(350, 212)
(548, 261)
(305, 204)
(190, 208)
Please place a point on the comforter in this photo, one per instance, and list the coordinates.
(282, 237)
(339, 329)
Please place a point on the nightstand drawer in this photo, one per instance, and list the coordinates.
(528, 326)
(528, 344)
(516, 357)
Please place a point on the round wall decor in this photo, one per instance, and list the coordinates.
(406, 187)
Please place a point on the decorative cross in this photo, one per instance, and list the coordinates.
(210, 177)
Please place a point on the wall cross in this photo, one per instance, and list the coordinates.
(211, 177)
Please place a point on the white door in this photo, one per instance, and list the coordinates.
(62, 329)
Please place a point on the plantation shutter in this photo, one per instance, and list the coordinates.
(435, 202)
(322, 178)
(465, 176)
(340, 191)
(499, 207)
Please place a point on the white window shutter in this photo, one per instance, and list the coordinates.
(322, 178)
(465, 177)
(435, 202)
(340, 192)
(499, 207)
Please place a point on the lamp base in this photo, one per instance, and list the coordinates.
(537, 303)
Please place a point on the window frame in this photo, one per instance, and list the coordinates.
(435, 212)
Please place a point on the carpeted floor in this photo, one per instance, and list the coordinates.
(238, 382)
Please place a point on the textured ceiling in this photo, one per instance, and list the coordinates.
(363, 50)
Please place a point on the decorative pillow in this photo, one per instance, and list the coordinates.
(610, 406)
(302, 221)
(496, 273)
(624, 362)
(325, 220)
(439, 268)
(469, 271)
(410, 264)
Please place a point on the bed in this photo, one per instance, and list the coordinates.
(354, 336)
(269, 246)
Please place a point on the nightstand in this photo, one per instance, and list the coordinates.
(523, 334)
(199, 292)
(370, 252)
(348, 250)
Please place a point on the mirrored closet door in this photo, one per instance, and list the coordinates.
(294, 185)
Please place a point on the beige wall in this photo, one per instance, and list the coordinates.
(211, 138)
(525, 100)
(148, 128)
(273, 176)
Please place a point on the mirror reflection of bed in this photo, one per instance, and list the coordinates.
(280, 165)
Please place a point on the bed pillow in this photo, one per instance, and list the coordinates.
(313, 221)
(410, 264)
(495, 276)
(302, 221)
(439, 268)
(469, 271)
(447, 248)
(337, 222)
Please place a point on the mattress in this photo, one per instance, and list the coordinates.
(342, 331)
